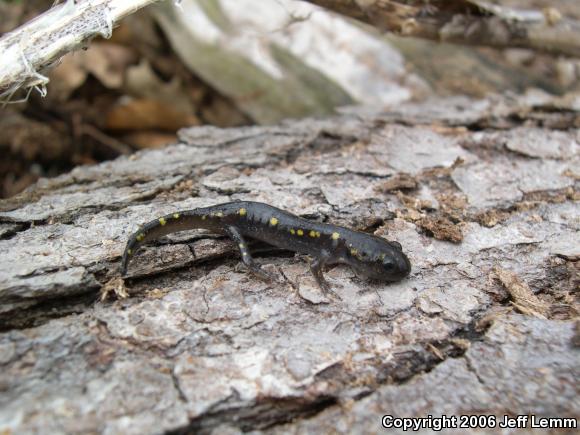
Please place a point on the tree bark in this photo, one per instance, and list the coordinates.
(482, 195)
(469, 22)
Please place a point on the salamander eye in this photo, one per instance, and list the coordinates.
(388, 265)
(397, 245)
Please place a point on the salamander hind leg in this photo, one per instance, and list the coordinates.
(247, 259)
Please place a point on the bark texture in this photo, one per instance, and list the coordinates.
(481, 194)
(470, 22)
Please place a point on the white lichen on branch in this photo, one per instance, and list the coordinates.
(32, 48)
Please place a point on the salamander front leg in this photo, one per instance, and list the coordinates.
(316, 267)
(235, 235)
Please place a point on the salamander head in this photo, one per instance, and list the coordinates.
(379, 259)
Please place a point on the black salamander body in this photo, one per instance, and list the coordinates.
(370, 256)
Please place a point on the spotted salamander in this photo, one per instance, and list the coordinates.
(370, 256)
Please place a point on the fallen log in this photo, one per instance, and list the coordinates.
(482, 195)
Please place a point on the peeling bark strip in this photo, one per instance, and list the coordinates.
(483, 323)
(469, 22)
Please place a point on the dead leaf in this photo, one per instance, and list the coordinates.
(142, 82)
(108, 62)
(149, 139)
(143, 114)
(68, 76)
(33, 140)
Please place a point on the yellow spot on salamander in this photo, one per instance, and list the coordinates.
(292, 231)
(140, 237)
(244, 254)
(312, 233)
(203, 217)
(382, 257)
(241, 245)
(300, 232)
(219, 214)
(317, 233)
(175, 215)
(353, 252)
(273, 221)
(242, 212)
(335, 236)
(162, 221)
(129, 252)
